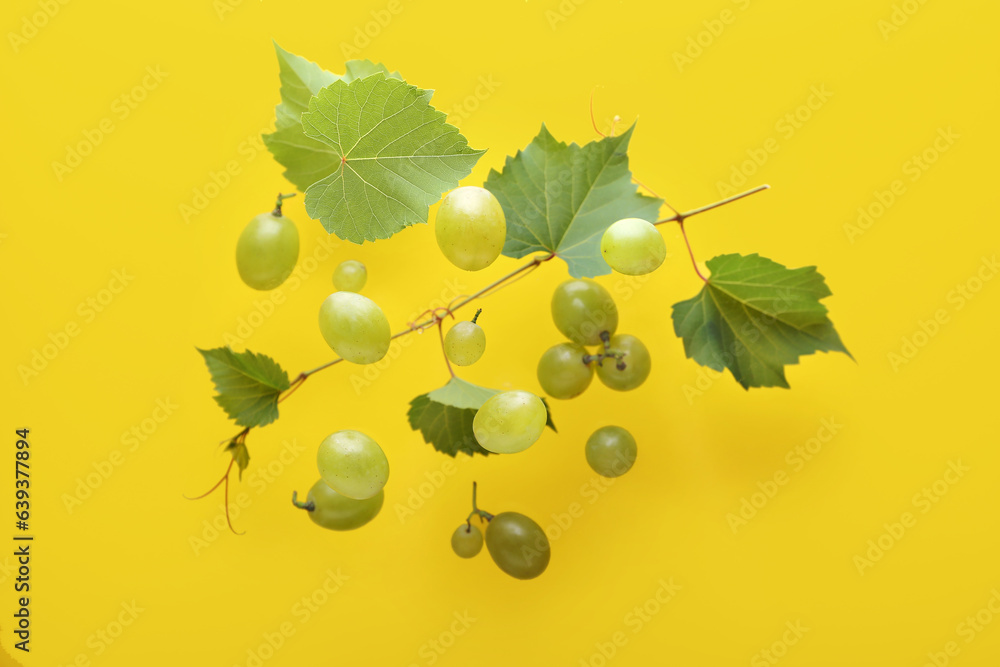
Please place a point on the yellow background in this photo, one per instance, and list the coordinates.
(130, 541)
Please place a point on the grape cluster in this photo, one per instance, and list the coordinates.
(470, 229)
(587, 315)
(515, 542)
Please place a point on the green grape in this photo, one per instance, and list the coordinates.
(267, 250)
(510, 422)
(467, 541)
(338, 512)
(465, 343)
(561, 370)
(355, 327)
(633, 246)
(582, 309)
(470, 228)
(350, 276)
(636, 362)
(517, 545)
(352, 464)
(610, 451)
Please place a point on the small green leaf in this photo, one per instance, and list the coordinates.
(240, 453)
(307, 160)
(560, 198)
(754, 317)
(248, 384)
(444, 416)
(393, 155)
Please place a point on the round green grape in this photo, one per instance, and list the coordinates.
(510, 422)
(562, 372)
(633, 246)
(467, 541)
(517, 545)
(350, 276)
(465, 343)
(338, 512)
(267, 250)
(582, 309)
(352, 464)
(610, 451)
(355, 327)
(636, 361)
(470, 228)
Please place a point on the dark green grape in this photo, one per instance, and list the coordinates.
(611, 451)
(561, 370)
(636, 364)
(467, 541)
(338, 512)
(517, 545)
(582, 309)
(350, 276)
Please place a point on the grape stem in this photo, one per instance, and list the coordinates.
(437, 315)
(447, 361)
(475, 510)
(476, 316)
(309, 506)
(680, 218)
(277, 205)
(608, 353)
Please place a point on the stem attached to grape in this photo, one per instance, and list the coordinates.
(476, 316)
(475, 509)
(309, 506)
(608, 353)
(277, 205)
(436, 317)
(679, 218)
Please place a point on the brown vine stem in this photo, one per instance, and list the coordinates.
(680, 218)
(437, 315)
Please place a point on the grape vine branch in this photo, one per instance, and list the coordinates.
(237, 443)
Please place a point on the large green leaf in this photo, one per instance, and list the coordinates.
(560, 198)
(444, 416)
(248, 384)
(395, 157)
(754, 317)
(307, 160)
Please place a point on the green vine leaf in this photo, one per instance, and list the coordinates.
(240, 453)
(393, 156)
(444, 416)
(754, 317)
(248, 384)
(560, 198)
(307, 160)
